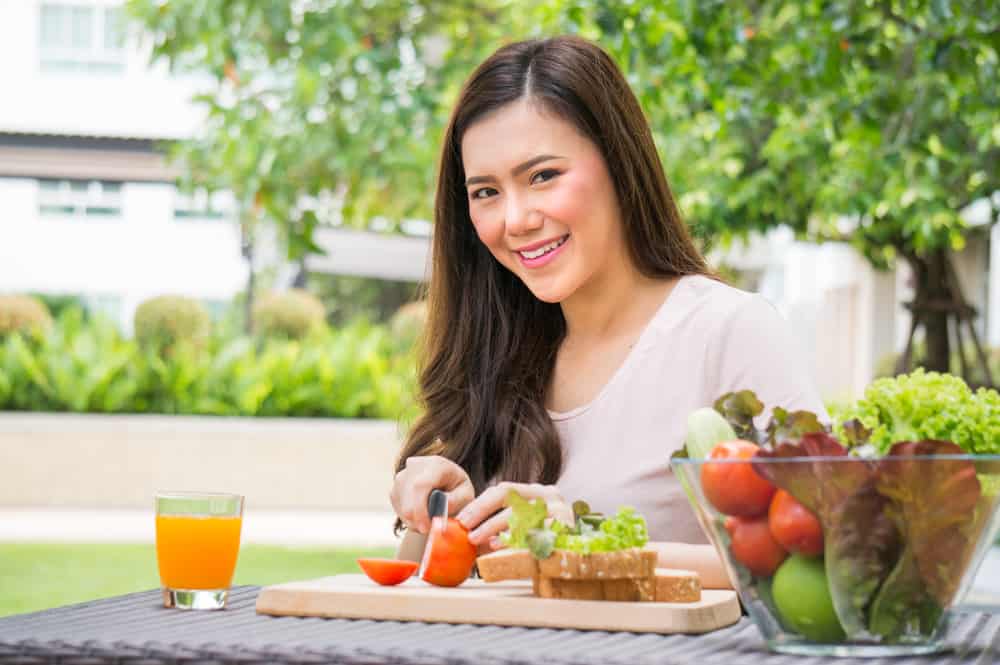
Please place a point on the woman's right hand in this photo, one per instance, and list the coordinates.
(412, 486)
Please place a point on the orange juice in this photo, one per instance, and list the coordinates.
(196, 552)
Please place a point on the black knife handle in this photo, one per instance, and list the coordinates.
(437, 504)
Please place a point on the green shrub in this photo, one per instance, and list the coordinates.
(408, 322)
(164, 322)
(76, 366)
(291, 314)
(59, 303)
(23, 314)
(353, 372)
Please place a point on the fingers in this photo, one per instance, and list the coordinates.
(413, 484)
(486, 532)
(460, 497)
(485, 516)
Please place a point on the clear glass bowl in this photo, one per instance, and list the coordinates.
(902, 539)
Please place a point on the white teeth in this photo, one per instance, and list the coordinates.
(545, 249)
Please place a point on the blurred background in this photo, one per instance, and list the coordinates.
(217, 208)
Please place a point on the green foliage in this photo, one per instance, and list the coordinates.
(291, 314)
(24, 314)
(348, 297)
(57, 304)
(355, 371)
(408, 322)
(870, 122)
(322, 110)
(927, 405)
(164, 322)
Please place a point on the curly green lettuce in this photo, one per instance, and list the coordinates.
(529, 527)
(927, 405)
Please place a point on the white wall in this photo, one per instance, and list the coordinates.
(142, 254)
(140, 102)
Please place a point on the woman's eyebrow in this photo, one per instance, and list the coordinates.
(517, 170)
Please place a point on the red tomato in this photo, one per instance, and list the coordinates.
(794, 526)
(448, 555)
(752, 544)
(734, 488)
(388, 572)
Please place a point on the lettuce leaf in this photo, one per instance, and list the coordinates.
(625, 530)
(936, 511)
(861, 543)
(529, 527)
(525, 516)
(927, 406)
(739, 409)
(899, 532)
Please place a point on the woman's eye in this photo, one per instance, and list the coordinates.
(545, 175)
(483, 193)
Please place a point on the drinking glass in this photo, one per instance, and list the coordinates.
(197, 544)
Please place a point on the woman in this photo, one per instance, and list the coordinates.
(572, 325)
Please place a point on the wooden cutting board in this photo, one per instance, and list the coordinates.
(499, 603)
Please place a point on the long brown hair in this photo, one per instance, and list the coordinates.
(489, 344)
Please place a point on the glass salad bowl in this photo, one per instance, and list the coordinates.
(834, 554)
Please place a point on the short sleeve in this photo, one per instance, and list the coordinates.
(756, 350)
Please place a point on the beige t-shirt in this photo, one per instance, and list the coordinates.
(706, 339)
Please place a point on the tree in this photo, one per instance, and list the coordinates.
(873, 122)
(320, 108)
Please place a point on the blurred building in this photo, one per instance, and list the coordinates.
(89, 202)
(90, 208)
(849, 316)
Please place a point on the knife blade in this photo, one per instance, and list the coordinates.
(437, 506)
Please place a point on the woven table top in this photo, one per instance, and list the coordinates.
(135, 628)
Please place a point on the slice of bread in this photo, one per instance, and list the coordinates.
(625, 564)
(621, 590)
(638, 589)
(553, 587)
(508, 564)
(676, 586)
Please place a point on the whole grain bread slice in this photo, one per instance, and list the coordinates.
(676, 586)
(507, 564)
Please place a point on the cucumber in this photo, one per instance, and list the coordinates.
(706, 427)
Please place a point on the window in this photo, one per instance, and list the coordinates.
(86, 38)
(86, 198)
(199, 204)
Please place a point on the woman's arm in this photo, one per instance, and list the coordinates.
(701, 559)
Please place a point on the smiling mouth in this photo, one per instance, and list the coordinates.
(544, 249)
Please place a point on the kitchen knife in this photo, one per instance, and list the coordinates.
(437, 506)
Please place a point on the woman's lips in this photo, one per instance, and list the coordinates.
(544, 259)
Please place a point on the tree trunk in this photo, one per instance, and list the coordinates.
(931, 302)
(247, 242)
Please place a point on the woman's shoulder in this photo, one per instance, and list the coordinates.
(709, 303)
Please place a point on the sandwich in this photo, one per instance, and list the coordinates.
(596, 558)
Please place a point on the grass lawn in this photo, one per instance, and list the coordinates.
(36, 577)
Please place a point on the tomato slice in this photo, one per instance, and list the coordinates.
(388, 572)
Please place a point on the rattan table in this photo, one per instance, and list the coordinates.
(137, 630)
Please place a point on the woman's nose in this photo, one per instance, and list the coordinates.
(520, 217)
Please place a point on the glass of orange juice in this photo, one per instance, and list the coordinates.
(197, 543)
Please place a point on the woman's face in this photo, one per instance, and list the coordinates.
(542, 201)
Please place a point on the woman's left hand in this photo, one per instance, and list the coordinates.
(487, 515)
